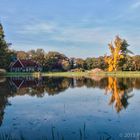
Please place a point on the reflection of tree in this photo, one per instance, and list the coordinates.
(118, 87)
(137, 83)
(26, 85)
(4, 93)
(119, 90)
(56, 85)
(38, 87)
(3, 103)
(89, 83)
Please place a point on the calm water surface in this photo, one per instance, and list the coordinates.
(69, 109)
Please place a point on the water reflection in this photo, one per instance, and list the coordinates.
(120, 89)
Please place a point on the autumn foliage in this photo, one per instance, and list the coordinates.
(117, 93)
(118, 51)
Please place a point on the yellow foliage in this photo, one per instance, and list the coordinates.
(117, 93)
(116, 54)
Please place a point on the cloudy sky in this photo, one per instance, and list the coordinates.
(79, 28)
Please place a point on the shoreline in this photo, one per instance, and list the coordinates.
(73, 74)
(46, 74)
(120, 74)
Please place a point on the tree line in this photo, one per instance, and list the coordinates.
(120, 58)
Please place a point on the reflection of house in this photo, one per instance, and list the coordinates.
(26, 85)
(25, 66)
(19, 82)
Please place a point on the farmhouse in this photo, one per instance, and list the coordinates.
(24, 66)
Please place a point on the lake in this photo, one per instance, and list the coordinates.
(59, 108)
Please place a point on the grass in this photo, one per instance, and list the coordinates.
(65, 74)
(120, 74)
(7, 136)
(54, 135)
(17, 73)
(88, 74)
(51, 74)
(22, 74)
(75, 74)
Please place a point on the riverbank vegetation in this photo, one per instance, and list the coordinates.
(120, 59)
(87, 74)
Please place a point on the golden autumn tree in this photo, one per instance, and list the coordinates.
(119, 93)
(118, 51)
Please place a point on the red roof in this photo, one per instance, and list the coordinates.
(24, 63)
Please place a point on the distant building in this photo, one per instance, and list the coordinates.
(24, 66)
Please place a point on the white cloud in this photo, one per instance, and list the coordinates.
(79, 37)
(28, 46)
(87, 35)
(94, 35)
(135, 5)
(37, 28)
(66, 39)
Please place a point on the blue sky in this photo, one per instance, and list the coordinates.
(77, 28)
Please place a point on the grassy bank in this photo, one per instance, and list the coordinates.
(21, 74)
(66, 74)
(120, 74)
(52, 74)
(75, 74)
(88, 74)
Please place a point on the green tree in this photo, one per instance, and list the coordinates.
(56, 61)
(22, 55)
(129, 65)
(89, 63)
(136, 62)
(5, 53)
(80, 63)
(92, 63)
(38, 56)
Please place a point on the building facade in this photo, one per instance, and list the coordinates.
(25, 66)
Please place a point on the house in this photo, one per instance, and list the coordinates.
(24, 66)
